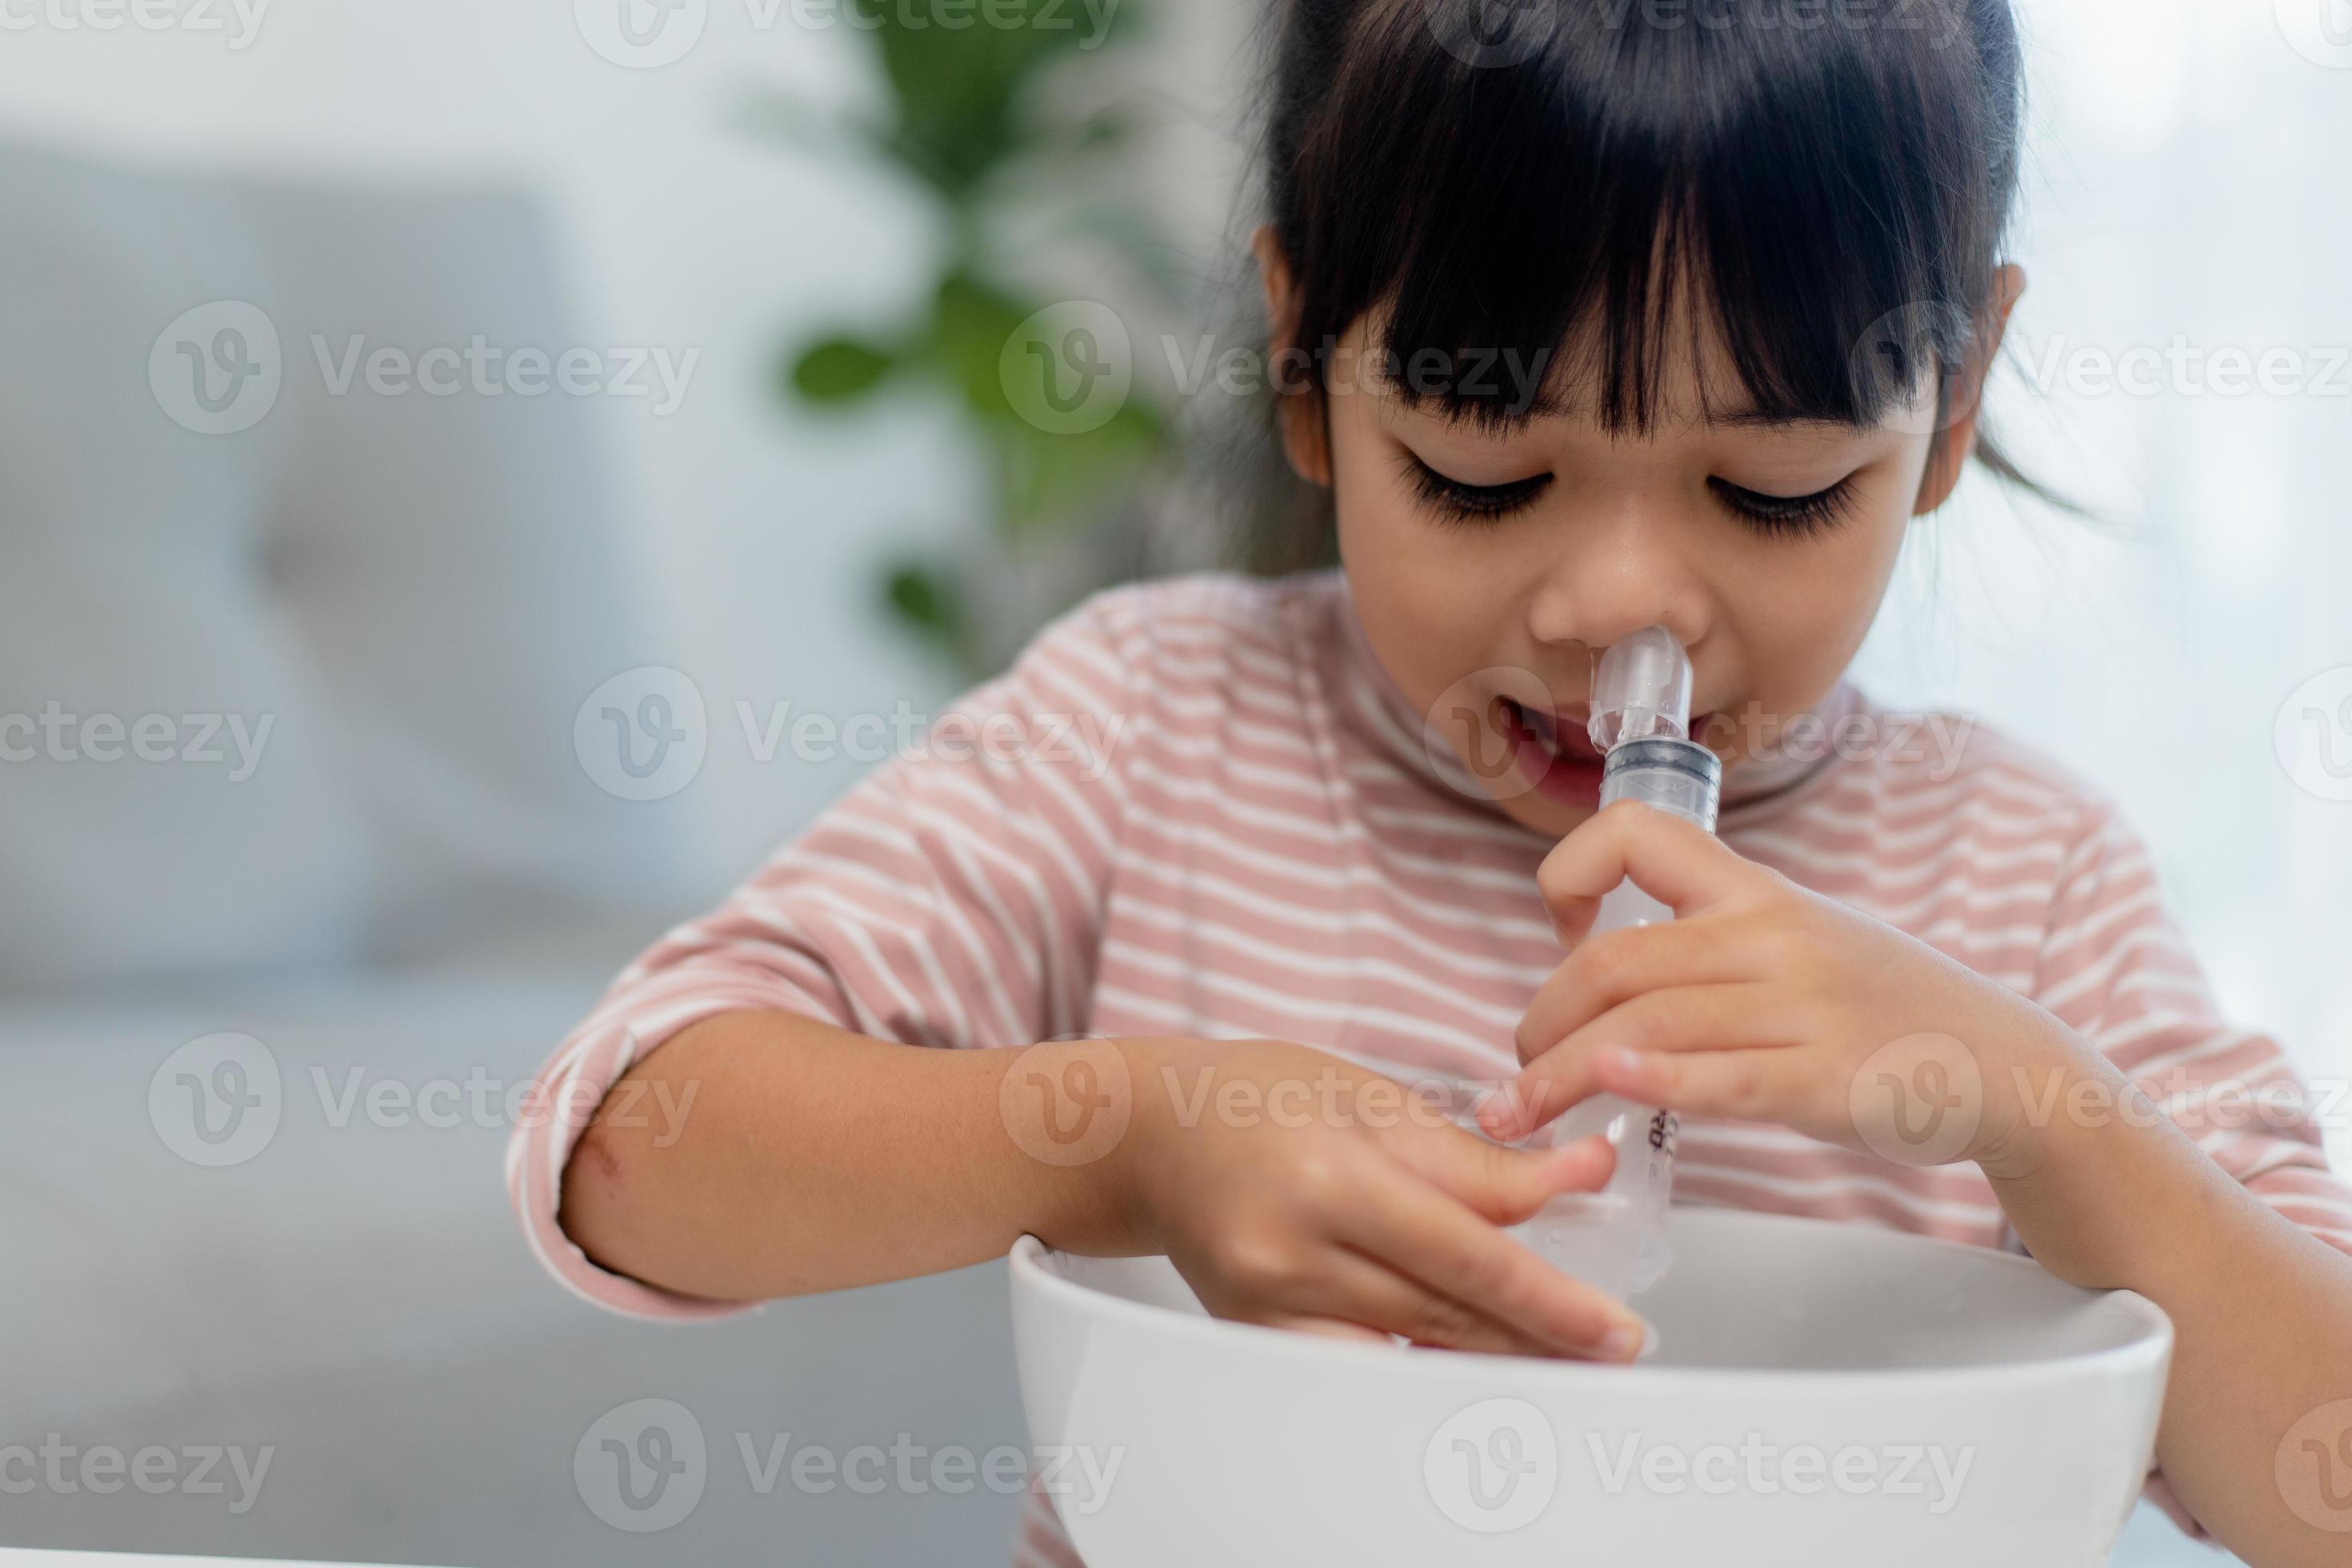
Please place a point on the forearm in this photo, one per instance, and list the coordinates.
(2261, 1311)
(812, 1159)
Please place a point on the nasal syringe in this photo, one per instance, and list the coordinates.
(1614, 1239)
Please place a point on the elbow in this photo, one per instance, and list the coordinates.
(593, 1204)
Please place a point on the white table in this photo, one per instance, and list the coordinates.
(15, 1557)
(2150, 1541)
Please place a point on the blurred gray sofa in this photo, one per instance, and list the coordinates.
(406, 885)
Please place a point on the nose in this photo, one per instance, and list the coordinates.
(1614, 571)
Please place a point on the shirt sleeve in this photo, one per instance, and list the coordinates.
(953, 897)
(2115, 966)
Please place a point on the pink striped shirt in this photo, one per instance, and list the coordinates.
(1200, 807)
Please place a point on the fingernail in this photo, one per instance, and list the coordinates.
(1622, 1057)
(1578, 1151)
(1620, 1343)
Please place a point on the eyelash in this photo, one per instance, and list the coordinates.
(1788, 517)
(1791, 517)
(1456, 502)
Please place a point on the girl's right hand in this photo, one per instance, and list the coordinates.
(1319, 1195)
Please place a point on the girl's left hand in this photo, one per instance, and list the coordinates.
(1763, 1001)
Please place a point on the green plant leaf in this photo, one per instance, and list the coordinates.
(971, 324)
(926, 602)
(976, 121)
(1053, 480)
(962, 90)
(840, 369)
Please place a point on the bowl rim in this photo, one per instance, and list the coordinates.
(2151, 1348)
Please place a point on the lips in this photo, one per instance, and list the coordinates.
(1552, 751)
(1561, 731)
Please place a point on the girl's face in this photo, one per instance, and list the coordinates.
(1490, 570)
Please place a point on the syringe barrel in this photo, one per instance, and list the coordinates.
(1614, 1239)
(1674, 775)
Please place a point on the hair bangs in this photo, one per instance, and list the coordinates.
(1821, 206)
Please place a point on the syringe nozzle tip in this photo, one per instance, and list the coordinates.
(1642, 688)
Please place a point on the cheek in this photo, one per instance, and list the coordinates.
(1368, 499)
(1427, 596)
(1407, 615)
(1807, 608)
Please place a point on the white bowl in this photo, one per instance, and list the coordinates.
(1823, 1395)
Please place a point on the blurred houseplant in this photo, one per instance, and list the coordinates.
(971, 126)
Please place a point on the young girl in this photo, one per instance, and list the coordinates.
(1623, 315)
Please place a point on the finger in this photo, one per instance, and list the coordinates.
(1360, 1298)
(1744, 1016)
(1617, 966)
(1366, 1291)
(1739, 1085)
(1679, 863)
(1355, 1297)
(1423, 1234)
(1329, 1328)
(1502, 1185)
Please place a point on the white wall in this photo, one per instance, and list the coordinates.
(2184, 181)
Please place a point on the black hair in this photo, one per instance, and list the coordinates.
(1538, 182)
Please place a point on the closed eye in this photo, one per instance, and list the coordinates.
(1788, 516)
(1458, 501)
